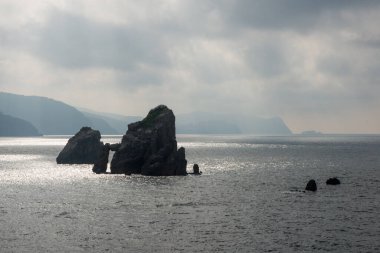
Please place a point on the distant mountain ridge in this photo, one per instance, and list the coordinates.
(11, 126)
(224, 123)
(49, 116)
(118, 122)
(52, 117)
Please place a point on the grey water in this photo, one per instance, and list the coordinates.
(249, 198)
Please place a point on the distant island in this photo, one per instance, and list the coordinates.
(51, 117)
(224, 123)
(12, 126)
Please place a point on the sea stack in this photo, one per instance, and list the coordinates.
(83, 148)
(101, 163)
(196, 169)
(150, 148)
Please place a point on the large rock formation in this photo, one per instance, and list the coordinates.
(150, 148)
(83, 148)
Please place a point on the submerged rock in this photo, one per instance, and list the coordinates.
(150, 148)
(83, 148)
(333, 181)
(311, 186)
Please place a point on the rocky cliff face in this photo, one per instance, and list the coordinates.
(83, 148)
(150, 148)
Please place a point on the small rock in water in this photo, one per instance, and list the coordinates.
(333, 181)
(196, 169)
(311, 186)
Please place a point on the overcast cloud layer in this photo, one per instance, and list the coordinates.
(313, 63)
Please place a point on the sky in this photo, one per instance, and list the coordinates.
(315, 64)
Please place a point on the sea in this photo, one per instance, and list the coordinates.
(249, 198)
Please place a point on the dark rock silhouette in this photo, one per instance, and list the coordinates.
(150, 148)
(311, 186)
(83, 148)
(101, 163)
(196, 170)
(114, 147)
(333, 181)
(181, 162)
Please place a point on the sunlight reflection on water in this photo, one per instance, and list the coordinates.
(248, 199)
(14, 158)
(44, 173)
(228, 145)
(48, 141)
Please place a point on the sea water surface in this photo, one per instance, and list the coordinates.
(249, 198)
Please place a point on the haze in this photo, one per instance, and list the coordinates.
(313, 63)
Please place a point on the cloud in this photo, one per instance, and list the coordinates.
(76, 42)
(267, 59)
(292, 58)
(298, 15)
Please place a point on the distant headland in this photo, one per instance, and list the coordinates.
(51, 117)
(311, 133)
(12, 126)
